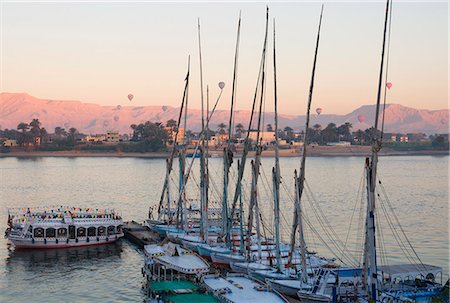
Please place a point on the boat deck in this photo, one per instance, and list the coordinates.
(139, 234)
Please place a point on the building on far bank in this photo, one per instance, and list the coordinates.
(112, 137)
(417, 137)
(172, 133)
(95, 138)
(265, 137)
(9, 143)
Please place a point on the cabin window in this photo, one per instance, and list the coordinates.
(50, 232)
(62, 232)
(101, 231)
(81, 232)
(38, 232)
(430, 277)
(111, 230)
(92, 231)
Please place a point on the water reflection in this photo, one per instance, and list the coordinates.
(66, 259)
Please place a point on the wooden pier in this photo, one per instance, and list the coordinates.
(139, 234)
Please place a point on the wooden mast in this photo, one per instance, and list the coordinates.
(172, 155)
(257, 163)
(276, 169)
(301, 178)
(370, 255)
(203, 182)
(228, 154)
(247, 141)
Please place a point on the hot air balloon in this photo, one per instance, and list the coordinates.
(318, 111)
(119, 107)
(389, 85)
(105, 123)
(130, 97)
(164, 108)
(361, 118)
(116, 118)
(221, 85)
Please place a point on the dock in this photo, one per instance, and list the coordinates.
(139, 234)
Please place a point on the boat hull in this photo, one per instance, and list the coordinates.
(63, 243)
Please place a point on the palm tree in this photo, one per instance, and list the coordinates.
(72, 135)
(239, 130)
(60, 132)
(23, 127)
(35, 127)
(289, 133)
(171, 123)
(221, 128)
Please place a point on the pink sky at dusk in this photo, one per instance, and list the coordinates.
(100, 52)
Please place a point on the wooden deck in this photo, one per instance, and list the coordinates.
(139, 234)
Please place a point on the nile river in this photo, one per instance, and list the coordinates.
(416, 186)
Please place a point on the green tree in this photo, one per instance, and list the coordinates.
(360, 136)
(269, 127)
(172, 124)
(61, 132)
(439, 143)
(343, 131)
(150, 136)
(239, 130)
(72, 136)
(23, 127)
(329, 134)
(35, 128)
(289, 133)
(221, 128)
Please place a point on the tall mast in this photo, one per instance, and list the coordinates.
(247, 141)
(257, 163)
(203, 181)
(276, 170)
(302, 244)
(370, 255)
(182, 159)
(172, 155)
(301, 179)
(228, 154)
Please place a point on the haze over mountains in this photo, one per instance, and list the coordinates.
(91, 118)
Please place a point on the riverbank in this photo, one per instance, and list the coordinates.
(313, 151)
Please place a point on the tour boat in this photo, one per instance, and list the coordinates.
(61, 227)
(240, 288)
(172, 273)
(170, 258)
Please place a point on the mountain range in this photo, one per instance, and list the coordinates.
(91, 118)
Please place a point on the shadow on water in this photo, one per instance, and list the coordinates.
(62, 258)
(29, 159)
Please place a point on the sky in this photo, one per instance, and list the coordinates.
(99, 52)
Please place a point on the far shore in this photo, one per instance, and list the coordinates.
(313, 151)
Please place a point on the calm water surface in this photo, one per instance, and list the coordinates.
(416, 186)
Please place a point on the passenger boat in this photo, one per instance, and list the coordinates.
(171, 259)
(240, 288)
(61, 227)
(172, 274)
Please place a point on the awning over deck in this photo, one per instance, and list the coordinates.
(410, 271)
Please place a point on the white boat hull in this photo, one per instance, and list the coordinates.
(27, 243)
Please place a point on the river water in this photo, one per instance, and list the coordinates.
(416, 186)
